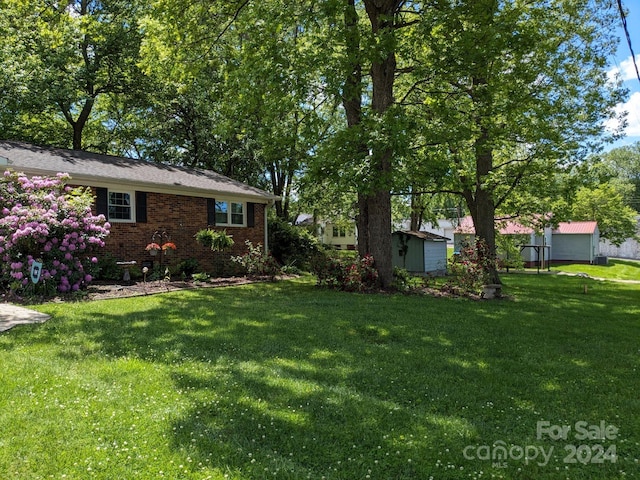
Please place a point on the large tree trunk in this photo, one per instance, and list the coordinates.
(417, 212)
(352, 102)
(374, 199)
(383, 69)
(482, 207)
(364, 240)
(79, 124)
(483, 215)
(380, 235)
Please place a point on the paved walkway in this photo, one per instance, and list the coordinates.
(12, 315)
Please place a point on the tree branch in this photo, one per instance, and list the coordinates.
(514, 183)
(233, 19)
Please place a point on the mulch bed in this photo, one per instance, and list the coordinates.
(104, 291)
(107, 290)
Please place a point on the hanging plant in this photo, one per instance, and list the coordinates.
(153, 248)
(168, 248)
(218, 241)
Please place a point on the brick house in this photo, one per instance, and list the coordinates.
(147, 201)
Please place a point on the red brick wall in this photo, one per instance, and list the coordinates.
(180, 217)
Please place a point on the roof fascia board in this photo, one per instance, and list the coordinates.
(98, 181)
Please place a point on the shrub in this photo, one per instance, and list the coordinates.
(157, 272)
(135, 272)
(200, 277)
(509, 251)
(188, 267)
(291, 270)
(45, 220)
(290, 245)
(470, 268)
(357, 275)
(255, 262)
(107, 268)
(403, 281)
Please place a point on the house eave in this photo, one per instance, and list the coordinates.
(177, 189)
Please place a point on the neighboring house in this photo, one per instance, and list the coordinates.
(531, 254)
(419, 252)
(141, 198)
(569, 242)
(575, 242)
(443, 227)
(338, 236)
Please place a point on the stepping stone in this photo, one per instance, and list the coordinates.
(12, 315)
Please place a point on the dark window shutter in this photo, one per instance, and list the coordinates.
(251, 214)
(102, 202)
(141, 207)
(211, 211)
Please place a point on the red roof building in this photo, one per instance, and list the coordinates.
(576, 228)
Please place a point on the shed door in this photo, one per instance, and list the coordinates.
(570, 247)
(435, 256)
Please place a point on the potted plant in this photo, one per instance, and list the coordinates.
(168, 248)
(153, 248)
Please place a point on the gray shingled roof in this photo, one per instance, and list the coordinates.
(88, 168)
(424, 235)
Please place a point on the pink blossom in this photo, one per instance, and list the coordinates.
(37, 211)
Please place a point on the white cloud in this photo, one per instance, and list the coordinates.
(633, 115)
(626, 70)
(632, 107)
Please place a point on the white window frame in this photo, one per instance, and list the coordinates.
(339, 232)
(229, 212)
(132, 206)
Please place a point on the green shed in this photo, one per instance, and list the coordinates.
(419, 252)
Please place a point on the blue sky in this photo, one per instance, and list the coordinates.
(624, 65)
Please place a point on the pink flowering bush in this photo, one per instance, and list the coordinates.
(357, 275)
(42, 219)
(470, 268)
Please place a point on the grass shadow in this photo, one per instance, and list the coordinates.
(287, 381)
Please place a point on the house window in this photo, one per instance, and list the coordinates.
(120, 206)
(237, 213)
(339, 231)
(222, 210)
(229, 213)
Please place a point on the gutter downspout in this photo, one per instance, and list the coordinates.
(266, 226)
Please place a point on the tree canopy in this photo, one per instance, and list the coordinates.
(338, 102)
(616, 221)
(61, 59)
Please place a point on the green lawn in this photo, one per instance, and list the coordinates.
(285, 381)
(616, 269)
